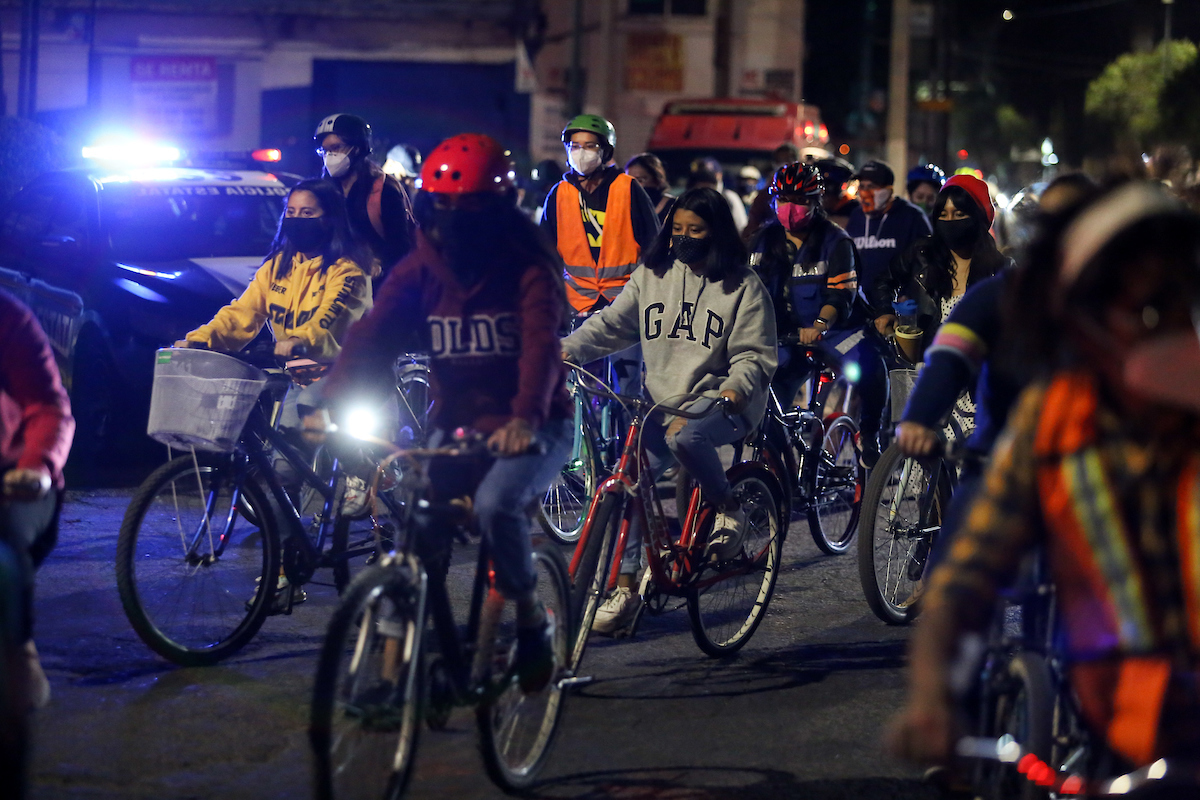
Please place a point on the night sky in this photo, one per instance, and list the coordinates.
(1041, 60)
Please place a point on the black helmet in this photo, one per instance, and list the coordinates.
(352, 130)
(835, 171)
(797, 180)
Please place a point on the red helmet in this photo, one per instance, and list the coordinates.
(797, 180)
(467, 164)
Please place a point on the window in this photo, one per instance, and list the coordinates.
(683, 8)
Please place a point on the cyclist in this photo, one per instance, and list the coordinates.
(760, 212)
(35, 436)
(648, 170)
(1099, 465)
(929, 279)
(924, 183)
(380, 213)
(839, 204)
(708, 172)
(599, 218)
(310, 288)
(706, 326)
(810, 269)
(483, 287)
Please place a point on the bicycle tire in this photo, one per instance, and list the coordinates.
(565, 504)
(156, 578)
(1020, 703)
(589, 584)
(517, 730)
(727, 612)
(837, 490)
(897, 546)
(365, 721)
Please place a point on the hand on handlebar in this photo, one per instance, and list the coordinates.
(886, 324)
(314, 427)
(924, 732)
(914, 439)
(810, 335)
(734, 402)
(286, 348)
(513, 439)
(185, 344)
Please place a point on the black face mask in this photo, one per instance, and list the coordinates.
(958, 234)
(458, 234)
(689, 249)
(307, 234)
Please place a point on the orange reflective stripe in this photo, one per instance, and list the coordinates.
(1188, 529)
(847, 280)
(619, 251)
(1137, 706)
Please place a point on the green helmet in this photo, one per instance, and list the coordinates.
(592, 124)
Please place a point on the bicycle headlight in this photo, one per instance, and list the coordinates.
(361, 423)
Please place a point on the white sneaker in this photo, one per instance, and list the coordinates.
(354, 496)
(617, 611)
(729, 529)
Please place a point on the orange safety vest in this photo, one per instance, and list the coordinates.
(1119, 669)
(588, 280)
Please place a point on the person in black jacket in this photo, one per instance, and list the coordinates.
(381, 215)
(929, 279)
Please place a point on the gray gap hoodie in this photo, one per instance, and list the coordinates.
(696, 337)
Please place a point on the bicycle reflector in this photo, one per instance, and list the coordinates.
(270, 154)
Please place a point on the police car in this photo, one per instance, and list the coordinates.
(116, 263)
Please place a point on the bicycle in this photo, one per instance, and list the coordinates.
(816, 457)
(377, 676)
(594, 451)
(211, 528)
(726, 601)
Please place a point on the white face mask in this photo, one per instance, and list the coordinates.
(337, 164)
(584, 162)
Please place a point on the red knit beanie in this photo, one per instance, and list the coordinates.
(978, 191)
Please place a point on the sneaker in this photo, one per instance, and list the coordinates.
(535, 655)
(354, 497)
(729, 530)
(617, 611)
(280, 604)
(914, 597)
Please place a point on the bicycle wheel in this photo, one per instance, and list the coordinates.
(189, 567)
(728, 601)
(516, 730)
(365, 719)
(590, 581)
(838, 488)
(1020, 704)
(904, 517)
(567, 499)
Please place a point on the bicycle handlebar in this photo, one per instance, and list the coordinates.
(720, 404)
(261, 355)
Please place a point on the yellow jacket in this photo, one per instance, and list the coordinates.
(316, 308)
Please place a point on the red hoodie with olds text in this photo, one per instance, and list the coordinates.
(494, 346)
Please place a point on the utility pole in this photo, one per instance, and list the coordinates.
(28, 70)
(576, 82)
(897, 125)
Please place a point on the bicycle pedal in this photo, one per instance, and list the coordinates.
(573, 681)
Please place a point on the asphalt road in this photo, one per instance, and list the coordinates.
(797, 714)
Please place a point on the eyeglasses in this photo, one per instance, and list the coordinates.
(340, 149)
(591, 147)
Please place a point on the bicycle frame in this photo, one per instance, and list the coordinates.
(674, 562)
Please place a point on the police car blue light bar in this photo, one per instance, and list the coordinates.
(131, 152)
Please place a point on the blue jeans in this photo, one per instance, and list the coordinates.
(695, 447)
(502, 500)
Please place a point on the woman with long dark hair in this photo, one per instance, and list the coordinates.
(929, 279)
(706, 327)
(311, 287)
(648, 170)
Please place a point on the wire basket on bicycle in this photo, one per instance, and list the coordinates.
(202, 399)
